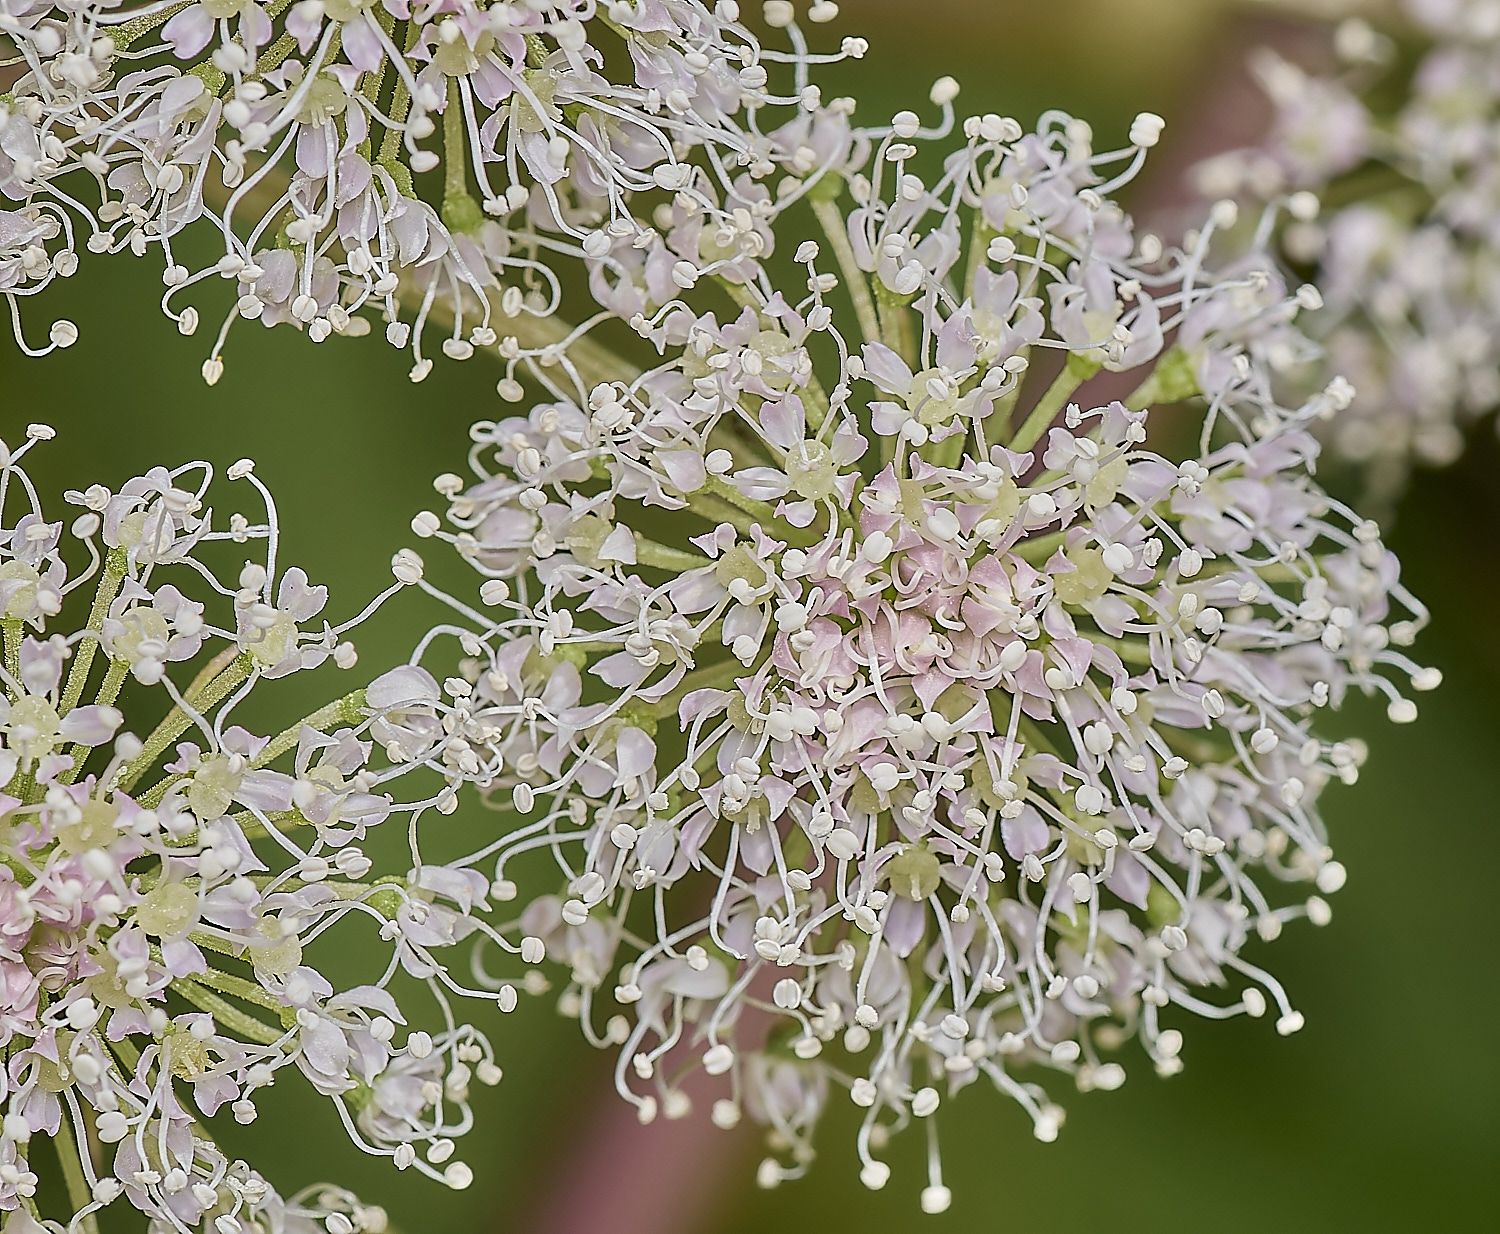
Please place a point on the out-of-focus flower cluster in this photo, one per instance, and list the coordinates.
(1407, 250)
(896, 712)
(161, 896)
(302, 132)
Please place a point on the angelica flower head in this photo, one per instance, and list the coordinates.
(1405, 259)
(168, 873)
(303, 135)
(867, 667)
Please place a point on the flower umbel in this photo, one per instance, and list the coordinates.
(897, 711)
(161, 897)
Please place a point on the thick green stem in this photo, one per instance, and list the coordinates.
(831, 218)
(719, 487)
(177, 721)
(946, 453)
(109, 690)
(275, 54)
(114, 679)
(341, 888)
(663, 557)
(1378, 180)
(211, 670)
(885, 449)
(127, 32)
(115, 566)
(460, 211)
(815, 401)
(743, 513)
(738, 292)
(12, 634)
(895, 323)
(124, 1049)
(208, 941)
(390, 145)
(1075, 372)
(1171, 381)
(254, 829)
(980, 235)
(455, 170)
(715, 510)
(346, 710)
(1131, 650)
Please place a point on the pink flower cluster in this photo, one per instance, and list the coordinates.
(893, 719)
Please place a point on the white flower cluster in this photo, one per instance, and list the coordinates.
(303, 133)
(161, 897)
(893, 699)
(896, 711)
(1407, 251)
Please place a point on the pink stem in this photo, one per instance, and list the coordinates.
(623, 1178)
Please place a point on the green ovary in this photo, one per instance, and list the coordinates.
(810, 467)
(1088, 581)
(213, 788)
(33, 728)
(96, 829)
(141, 625)
(345, 10)
(24, 596)
(270, 646)
(934, 411)
(168, 910)
(914, 873)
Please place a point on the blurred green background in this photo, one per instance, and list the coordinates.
(1380, 1115)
